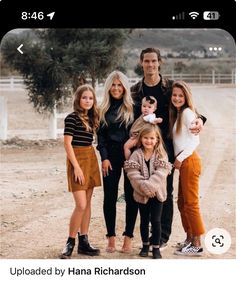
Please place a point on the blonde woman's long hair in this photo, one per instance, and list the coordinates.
(125, 113)
(91, 119)
(176, 115)
(159, 148)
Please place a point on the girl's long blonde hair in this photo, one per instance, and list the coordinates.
(125, 113)
(89, 119)
(176, 115)
(159, 148)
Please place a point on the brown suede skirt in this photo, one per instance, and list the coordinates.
(88, 162)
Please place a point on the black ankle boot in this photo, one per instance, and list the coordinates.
(144, 251)
(66, 253)
(156, 253)
(85, 248)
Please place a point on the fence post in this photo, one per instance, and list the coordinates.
(213, 77)
(53, 124)
(3, 118)
(172, 74)
(233, 76)
(11, 83)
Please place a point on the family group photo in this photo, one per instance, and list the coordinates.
(118, 144)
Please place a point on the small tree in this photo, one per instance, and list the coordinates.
(55, 59)
(45, 77)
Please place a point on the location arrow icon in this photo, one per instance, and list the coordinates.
(19, 49)
(51, 15)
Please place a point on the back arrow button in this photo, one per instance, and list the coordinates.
(19, 49)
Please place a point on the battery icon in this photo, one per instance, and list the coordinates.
(211, 15)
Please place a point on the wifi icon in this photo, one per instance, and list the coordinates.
(193, 15)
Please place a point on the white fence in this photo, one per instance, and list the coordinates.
(3, 118)
(211, 78)
(11, 83)
(53, 131)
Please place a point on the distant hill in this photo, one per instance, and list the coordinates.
(185, 48)
(176, 39)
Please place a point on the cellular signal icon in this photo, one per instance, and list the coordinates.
(180, 16)
(193, 15)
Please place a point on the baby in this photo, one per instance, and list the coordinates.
(149, 106)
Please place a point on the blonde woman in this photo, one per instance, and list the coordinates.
(116, 116)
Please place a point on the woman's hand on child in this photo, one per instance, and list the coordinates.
(196, 126)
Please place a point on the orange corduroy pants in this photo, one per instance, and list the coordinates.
(188, 195)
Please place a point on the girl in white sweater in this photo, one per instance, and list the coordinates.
(187, 161)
